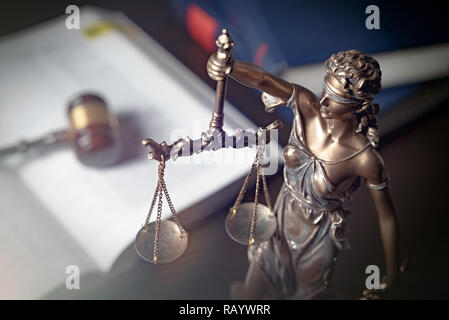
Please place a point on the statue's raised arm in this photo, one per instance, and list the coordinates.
(215, 137)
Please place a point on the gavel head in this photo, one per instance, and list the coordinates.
(94, 131)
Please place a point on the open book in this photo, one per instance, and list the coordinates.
(54, 211)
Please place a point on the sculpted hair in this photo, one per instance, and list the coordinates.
(360, 76)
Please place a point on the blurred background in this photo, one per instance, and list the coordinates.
(290, 39)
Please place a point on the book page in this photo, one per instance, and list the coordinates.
(35, 249)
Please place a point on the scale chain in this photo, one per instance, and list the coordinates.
(239, 199)
(172, 209)
(256, 201)
(167, 196)
(257, 162)
(257, 165)
(266, 192)
(161, 189)
(153, 203)
(264, 183)
(159, 210)
(158, 222)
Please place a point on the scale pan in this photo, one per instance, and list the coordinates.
(171, 244)
(238, 225)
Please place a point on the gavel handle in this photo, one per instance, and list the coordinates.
(51, 138)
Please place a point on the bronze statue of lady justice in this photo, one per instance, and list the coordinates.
(330, 150)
